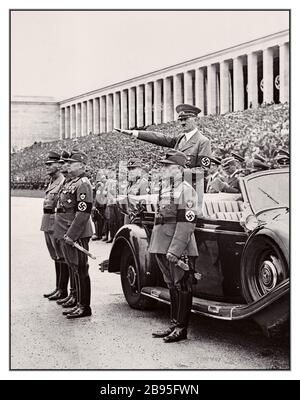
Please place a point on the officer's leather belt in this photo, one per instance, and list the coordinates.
(63, 211)
(60, 210)
(165, 220)
(48, 211)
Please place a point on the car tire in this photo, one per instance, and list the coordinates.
(263, 268)
(132, 283)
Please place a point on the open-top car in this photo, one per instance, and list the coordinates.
(242, 270)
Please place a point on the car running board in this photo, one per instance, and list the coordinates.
(225, 311)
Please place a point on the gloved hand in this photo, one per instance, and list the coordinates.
(171, 258)
(68, 240)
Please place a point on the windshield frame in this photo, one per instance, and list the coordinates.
(244, 184)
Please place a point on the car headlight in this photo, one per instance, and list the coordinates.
(251, 222)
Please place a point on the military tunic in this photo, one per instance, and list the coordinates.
(73, 220)
(49, 205)
(173, 230)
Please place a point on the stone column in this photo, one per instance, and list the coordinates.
(252, 80)
(199, 89)
(158, 102)
(67, 122)
(268, 75)
(75, 121)
(238, 84)
(96, 116)
(211, 89)
(140, 105)
(78, 120)
(168, 101)
(132, 108)
(284, 71)
(124, 109)
(83, 119)
(103, 114)
(117, 114)
(88, 120)
(62, 123)
(109, 112)
(148, 103)
(71, 121)
(188, 87)
(224, 87)
(177, 92)
(91, 116)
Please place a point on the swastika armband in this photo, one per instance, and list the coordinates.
(84, 206)
(205, 161)
(186, 216)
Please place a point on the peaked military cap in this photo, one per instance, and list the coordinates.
(187, 111)
(283, 160)
(79, 156)
(64, 156)
(52, 157)
(175, 157)
(134, 163)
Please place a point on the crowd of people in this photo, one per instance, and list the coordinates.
(261, 131)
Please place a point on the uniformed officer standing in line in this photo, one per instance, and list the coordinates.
(47, 226)
(138, 185)
(172, 238)
(191, 141)
(72, 224)
(112, 211)
(71, 300)
(98, 211)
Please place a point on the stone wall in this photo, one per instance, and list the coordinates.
(33, 121)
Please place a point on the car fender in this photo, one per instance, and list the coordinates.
(272, 234)
(135, 238)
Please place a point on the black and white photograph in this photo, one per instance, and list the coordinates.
(150, 190)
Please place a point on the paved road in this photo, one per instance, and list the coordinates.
(115, 337)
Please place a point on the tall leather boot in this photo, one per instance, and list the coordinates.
(75, 278)
(184, 311)
(57, 278)
(71, 300)
(62, 292)
(173, 315)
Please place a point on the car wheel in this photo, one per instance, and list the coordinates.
(132, 283)
(263, 268)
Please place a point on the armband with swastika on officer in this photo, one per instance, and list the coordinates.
(205, 161)
(186, 216)
(84, 206)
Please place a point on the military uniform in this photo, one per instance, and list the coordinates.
(173, 233)
(194, 144)
(72, 220)
(98, 214)
(230, 183)
(47, 226)
(213, 178)
(138, 187)
(111, 211)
